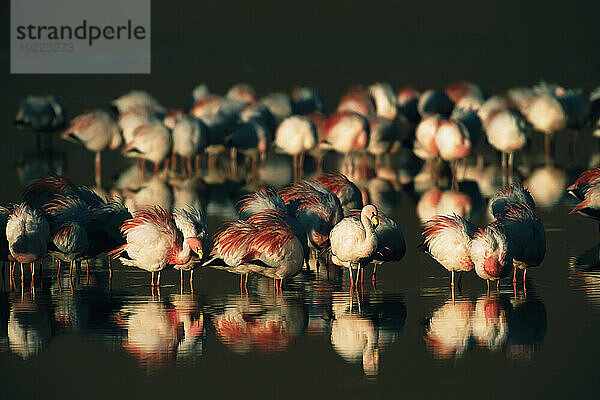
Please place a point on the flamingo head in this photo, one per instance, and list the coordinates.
(370, 212)
(195, 245)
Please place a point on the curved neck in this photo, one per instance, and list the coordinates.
(180, 254)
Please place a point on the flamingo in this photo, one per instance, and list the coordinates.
(68, 216)
(546, 115)
(356, 100)
(316, 208)
(192, 224)
(353, 242)
(515, 193)
(588, 178)
(129, 120)
(151, 142)
(295, 136)
(153, 242)
(384, 100)
(280, 105)
(448, 241)
(4, 250)
(241, 92)
(96, 131)
(491, 253)
(251, 138)
(137, 99)
(346, 132)
(346, 191)
(173, 117)
(526, 234)
(459, 90)
(434, 102)
(40, 113)
(453, 142)
(407, 100)
(391, 245)
(264, 244)
(505, 131)
(425, 145)
(258, 112)
(490, 323)
(27, 233)
(586, 189)
(306, 100)
(189, 138)
(384, 138)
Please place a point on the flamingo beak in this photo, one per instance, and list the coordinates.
(374, 221)
(198, 250)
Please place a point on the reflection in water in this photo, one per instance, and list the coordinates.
(584, 274)
(29, 328)
(360, 331)
(516, 326)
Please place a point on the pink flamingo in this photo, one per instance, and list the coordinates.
(454, 143)
(138, 99)
(264, 244)
(295, 136)
(354, 242)
(192, 224)
(505, 131)
(347, 192)
(357, 100)
(460, 90)
(384, 99)
(346, 132)
(151, 142)
(448, 241)
(491, 253)
(96, 131)
(306, 100)
(526, 234)
(153, 242)
(316, 208)
(586, 189)
(241, 92)
(27, 233)
(513, 193)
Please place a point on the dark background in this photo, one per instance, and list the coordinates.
(274, 45)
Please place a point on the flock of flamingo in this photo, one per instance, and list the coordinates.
(326, 219)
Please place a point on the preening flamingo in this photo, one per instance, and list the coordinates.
(264, 244)
(526, 234)
(138, 99)
(505, 131)
(346, 191)
(96, 131)
(491, 253)
(316, 208)
(192, 224)
(153, 242)
(448, 240)
(514, 193)
(354, 242)
(27, 233)
(586, 189)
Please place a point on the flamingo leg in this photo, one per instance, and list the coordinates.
(156, 168)
(181, 278)
(109, 268)
(158, 279)
(21, 271)
(362, 274)
(152, 279)
(511, 159)
(246, 281)
(514, 273)
(351, 280)
(488, 286)
(498, 285)
(98, 169)
(174, 162)
(192, 281)
(71, 269)
(374, 272)
(452, 279)
(189, 166)
(32, 269)
(295, 167)
(301, 165)
(197, 162)
(524, 274)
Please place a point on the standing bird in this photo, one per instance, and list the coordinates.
(346, 133)
(347, 192)
(40, 114)
(588, 178)
(295, 136)
(138, 99)
(316, 208)
(526, 234)
(192, 224)
(27, 233)
(264, 244)
(448, 240)
(454, 143)
(505, 131)
(68, 217)
(514, 193)
(153, 242)
(151, 142)
(354, 242)
(547, 115)
(189, 138)
(491, 253)
(391, 245)
(96, 131)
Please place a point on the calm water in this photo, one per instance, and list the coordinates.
(404, 335)
(98, 338)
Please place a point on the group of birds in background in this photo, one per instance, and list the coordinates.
(278, 231)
